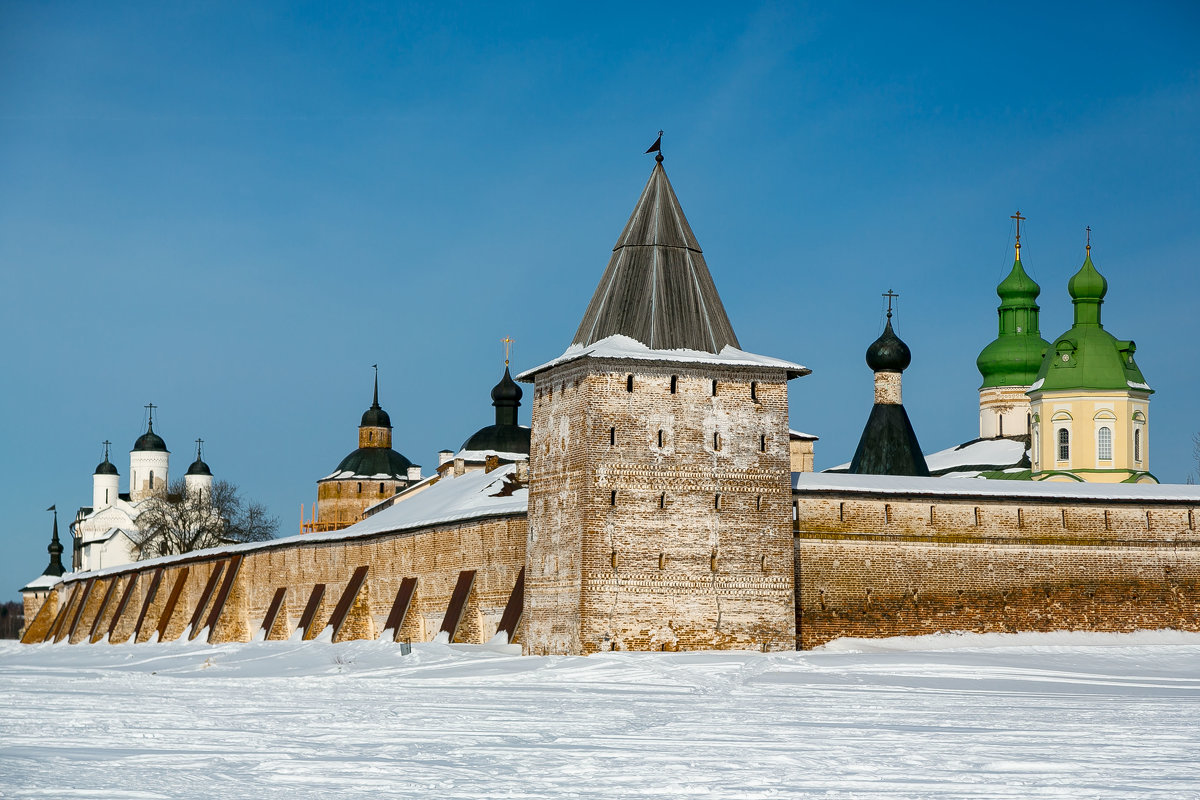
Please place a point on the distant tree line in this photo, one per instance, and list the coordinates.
(12, 619)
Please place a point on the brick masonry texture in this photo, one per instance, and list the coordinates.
(659, 519)
(872, 567)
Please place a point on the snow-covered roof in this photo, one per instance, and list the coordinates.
(472, 495)
(904, 484)
(996, 454)
(481, 455)
(803, 435)
(43, 582)
(108, 534)
(624, 347)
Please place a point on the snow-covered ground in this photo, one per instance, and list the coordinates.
(1028, 716)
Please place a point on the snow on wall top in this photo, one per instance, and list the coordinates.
(618, 346)
(903, 484)
(469, 496)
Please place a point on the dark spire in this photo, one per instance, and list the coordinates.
(375, 417)
(888, 445)
(506, 397)
(657, 288)
(55, 567)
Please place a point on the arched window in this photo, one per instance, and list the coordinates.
(1064, 444)
(1137, 444)
(1104, 444)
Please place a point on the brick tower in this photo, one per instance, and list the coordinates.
(660, 490)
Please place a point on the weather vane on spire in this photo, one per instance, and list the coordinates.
(657, 148)
(890, 295)
(1017, 216)
(507, 341)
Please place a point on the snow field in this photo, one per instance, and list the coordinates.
(1027, 716)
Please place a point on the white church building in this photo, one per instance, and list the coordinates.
(105, 533)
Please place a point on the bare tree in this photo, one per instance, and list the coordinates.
(183, 521)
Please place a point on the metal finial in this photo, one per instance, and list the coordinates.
(375, 397)
(507, 341)
(890, 295)
(106, 444)
(1017, 216)
(1089, 240)
(199, 444)
(151, 406)
(657, 148)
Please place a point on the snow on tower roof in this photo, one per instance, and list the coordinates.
(623, 347)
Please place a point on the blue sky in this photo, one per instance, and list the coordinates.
(233, 210)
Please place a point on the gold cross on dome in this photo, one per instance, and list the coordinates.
(507, 341)
(1017, 216)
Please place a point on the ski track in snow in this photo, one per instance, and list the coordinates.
(358, 720)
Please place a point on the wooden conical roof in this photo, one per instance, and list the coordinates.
(657, 288)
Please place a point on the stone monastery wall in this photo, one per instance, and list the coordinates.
(407, 585)
(873, 565)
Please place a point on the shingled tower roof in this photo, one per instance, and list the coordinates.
(657, 288)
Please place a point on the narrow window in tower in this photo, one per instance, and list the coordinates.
(1064, 444)
(717, 501)
(151, 479)
(1000, 422)
(629, 383)
(612, 437)
(360, 488)
(754, 391)
(660, 438)
(1137, 444)
(716, 441)
(381, 488)
(714, 387)
(674, 383)
(758, 502)
(762, 443)
(106, 496)
(613, 499)
(370, 436)
(662, 500)
(1104, 444)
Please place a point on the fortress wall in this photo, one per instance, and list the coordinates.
(196, 597)
(876, 566)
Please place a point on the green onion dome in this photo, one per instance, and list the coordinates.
(1014, 357)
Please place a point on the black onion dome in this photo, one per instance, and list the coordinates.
(375, 417)
(150, 442)
(506, 392)
(198, 467)
(499, 438)
(368, 462)
(888, 353)
(106, 467)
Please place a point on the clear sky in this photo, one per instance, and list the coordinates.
(233, 209)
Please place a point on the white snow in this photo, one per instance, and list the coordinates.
(481, 455)
(997, 453)
(1098, 716)
(904, 484)
(1037, 384)
(803, 435)
(1137, 385)
(44, 582)
(625, 347)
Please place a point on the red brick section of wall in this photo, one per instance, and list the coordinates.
(875, 566)
(659, 519)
